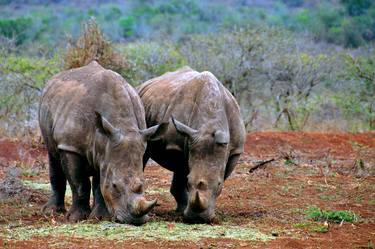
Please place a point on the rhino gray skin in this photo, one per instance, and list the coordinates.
(205, 141)
(93, 124)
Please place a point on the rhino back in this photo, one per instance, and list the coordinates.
(68, 102)
(196, 99)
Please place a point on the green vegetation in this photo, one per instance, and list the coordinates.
(318, 214)
(15, 28)
(22, 80)
(281, 76)
(150, 231)
(150, 59)
(346, 22)
(312, 227)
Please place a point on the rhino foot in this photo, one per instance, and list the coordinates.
(51, 208)
(76, 214)
(180, 208)
(100, 212)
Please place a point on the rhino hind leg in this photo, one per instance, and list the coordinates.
(74, 167)
(55, 203)
(179, 191)
(99, 210)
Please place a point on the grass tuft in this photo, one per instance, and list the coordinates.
(338, 216)
(312, 227)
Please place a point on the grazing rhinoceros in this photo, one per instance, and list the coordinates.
(205, 142)
(93, 124)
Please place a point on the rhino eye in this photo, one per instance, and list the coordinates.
(114, 186)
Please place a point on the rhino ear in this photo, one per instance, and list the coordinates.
(221, 138)
(155, 132)
(106, 128)
(184, 129)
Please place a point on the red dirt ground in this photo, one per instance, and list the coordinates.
(307, 170)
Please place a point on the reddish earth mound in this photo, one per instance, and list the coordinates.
(311, 144)
(19, 150)
(270, 199)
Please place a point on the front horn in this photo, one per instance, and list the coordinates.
(199, 204)
(143, 207)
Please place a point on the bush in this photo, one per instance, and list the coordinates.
(22, 79)
(15, 29)
(267, 72)
(357, 98)
(92, 45)
(128, 27)
(150, 59)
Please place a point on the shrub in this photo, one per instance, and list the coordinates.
(150, 59)
(357, 98)
(92, 45)
(272, 73)
(127, 26)
(15, 28)
(318, 214)
(22, 79)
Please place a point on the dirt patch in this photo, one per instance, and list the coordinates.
(28, 155)
(310, 145)
(272, 200)
(344, 153)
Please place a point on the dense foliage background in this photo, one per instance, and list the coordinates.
(291, 64)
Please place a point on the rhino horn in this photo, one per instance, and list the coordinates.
(198, 203)
(183, 129)
(143, 207)
(155, 132)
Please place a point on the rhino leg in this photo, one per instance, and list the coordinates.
(74, 167)
(55, 203)
(99, 210)
(179, 191)
(232, 161)
(146, 156)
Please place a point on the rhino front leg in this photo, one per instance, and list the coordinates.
(99, 210)
(179, 191)
(74, 167)
(231, 164)
(57, 177)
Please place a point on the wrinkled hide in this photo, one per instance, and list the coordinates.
(203, 142)
(93, 124)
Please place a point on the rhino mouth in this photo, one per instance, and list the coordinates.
(124, 217)
(198, 218)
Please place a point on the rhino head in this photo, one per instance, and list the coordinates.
(121, 171)
(208, 153)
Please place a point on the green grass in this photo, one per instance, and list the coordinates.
(312, 227)
(150, 231)
(153, 230)
(338, 216)
(289, 162)
(328, 197)
(47, 187)
(37, 185)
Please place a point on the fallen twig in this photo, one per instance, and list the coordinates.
(260, 164)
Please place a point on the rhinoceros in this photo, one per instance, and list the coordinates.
(93, 124)
(203, 142)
